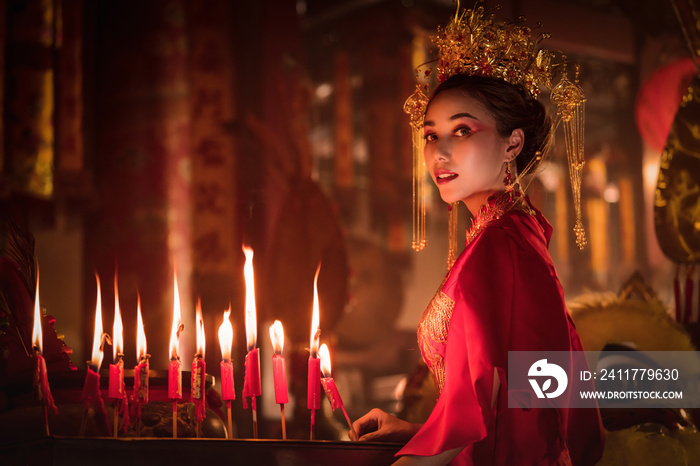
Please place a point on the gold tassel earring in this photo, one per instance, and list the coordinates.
(570, 103)
(415, 106)
(453, 221)
(418, 242)
(511, 183)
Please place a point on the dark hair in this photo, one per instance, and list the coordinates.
(512, 107)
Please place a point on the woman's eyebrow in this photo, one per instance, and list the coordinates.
(456, 116)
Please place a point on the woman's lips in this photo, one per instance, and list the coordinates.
(444, 176)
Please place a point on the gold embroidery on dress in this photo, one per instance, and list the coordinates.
(435, 322)
(432, 332)
(495, 208)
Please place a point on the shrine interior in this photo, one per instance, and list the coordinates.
(145, 142)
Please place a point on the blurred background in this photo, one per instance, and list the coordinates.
(140, 138)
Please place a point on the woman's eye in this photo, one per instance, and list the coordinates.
(430, 137)
(464, 131)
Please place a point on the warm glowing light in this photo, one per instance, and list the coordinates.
(277, 336)
(324, 91)
(226, 336)
(118, 328)
(201, 338)
(325, 360)
(650, 172)
(37, 336)
(97, 354)
(400, 389)
(141, 346)
(177, 320)
(611, 194)
(250, 315)
(313, 345)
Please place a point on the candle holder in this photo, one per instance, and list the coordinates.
(25, 421)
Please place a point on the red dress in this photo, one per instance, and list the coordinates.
(502, 294)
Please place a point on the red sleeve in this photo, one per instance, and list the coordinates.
(507, 297)
(481, 284)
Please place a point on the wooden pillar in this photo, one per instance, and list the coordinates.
(70, 152)
(142, 168)
(30, 102)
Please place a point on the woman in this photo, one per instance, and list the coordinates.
(502, 294)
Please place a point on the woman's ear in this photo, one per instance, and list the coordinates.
(515, 144)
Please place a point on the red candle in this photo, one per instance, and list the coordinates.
(91, 388)
(226, 341)
(116, 389)
(41, 386)
(278, 367)
(228, 392)
(251, 385)
(327, 381)
(279, 372)
(41, 379)
(199, 369)
(313, 399)
(116, 380)
(92, 397)
(332, 392)
(174, 380)
(140, 394)
(174, 369)
(280, 376)
(251, 381)
(117, 392)
(329, 385)
(116, 370)
(141, 382)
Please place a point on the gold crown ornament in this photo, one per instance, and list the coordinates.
(474, 43)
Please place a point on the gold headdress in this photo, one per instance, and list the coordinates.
(473, 43)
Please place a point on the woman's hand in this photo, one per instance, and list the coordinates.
(378, 426)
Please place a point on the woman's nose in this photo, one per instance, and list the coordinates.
(443, 149)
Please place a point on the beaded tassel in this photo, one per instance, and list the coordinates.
(512, 185)
(571, 107)
(418, 242)
(453, 219)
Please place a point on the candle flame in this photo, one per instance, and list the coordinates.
(177, 319)
(118, 328)
(97, 353)
(313, 345)
(141, 346)
(201, 338)
(250, 314)
(226, 336)
(325, 360)
(37, 336)
(277, 336)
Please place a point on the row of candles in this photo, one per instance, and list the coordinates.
(319, 366)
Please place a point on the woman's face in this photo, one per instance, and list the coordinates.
(463, 150)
